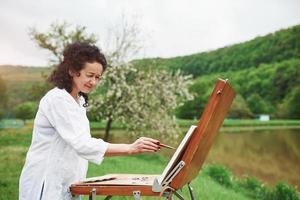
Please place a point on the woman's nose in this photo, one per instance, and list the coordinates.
(93, 81)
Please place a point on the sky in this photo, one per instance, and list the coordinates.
(168, 28)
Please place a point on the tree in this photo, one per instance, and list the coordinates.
(258, 105)
(144, 101)
(124, 42)
(58, 36)
(126, 94)
(26, 110)
(240, 109)
(291, 104)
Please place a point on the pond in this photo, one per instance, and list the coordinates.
(268, 154)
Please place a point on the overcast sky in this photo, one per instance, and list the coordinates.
(170, 27)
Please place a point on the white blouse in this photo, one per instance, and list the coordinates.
(60, 150)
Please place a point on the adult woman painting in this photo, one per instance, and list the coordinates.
(61, 142)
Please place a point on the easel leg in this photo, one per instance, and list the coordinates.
(178, 195)
(93, 194)
(191, 192)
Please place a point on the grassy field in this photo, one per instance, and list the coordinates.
(227, 123)
(214, 182)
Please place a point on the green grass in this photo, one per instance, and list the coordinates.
(14, 145)
(228, 123)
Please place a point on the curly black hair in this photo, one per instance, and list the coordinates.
(76, 55)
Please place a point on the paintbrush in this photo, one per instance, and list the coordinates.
(164, 145)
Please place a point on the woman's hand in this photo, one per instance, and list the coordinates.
(143, 145)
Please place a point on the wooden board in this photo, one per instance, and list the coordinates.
(201, 141)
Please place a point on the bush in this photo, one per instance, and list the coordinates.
(258, 190)
(283, 191)
(254, 188)
(220, 174)
(26, 110)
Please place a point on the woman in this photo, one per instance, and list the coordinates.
(61, 142)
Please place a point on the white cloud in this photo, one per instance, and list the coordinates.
(171, 27)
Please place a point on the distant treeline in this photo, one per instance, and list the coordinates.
(279, 46)
(265, 72)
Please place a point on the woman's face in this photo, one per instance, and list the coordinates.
(87, 78)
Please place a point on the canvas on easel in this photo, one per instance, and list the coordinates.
(184, 165)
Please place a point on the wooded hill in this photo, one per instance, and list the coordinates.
(265, 72)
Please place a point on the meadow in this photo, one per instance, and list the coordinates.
(214, 181)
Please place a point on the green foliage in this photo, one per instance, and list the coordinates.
(250, 186)
(254, 188)
(37, 91)
(274, 47)
(26, 110)
(283, 191)
(291, 105)
(258, 87)
(263, 71)
(257, 104)
(201, 89)
(220, 174)
(239, 108)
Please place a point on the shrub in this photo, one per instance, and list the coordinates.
(26, 110)
(283, 191)
(254, 188)
(220, 174)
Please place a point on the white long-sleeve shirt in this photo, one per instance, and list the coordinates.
(60, 150)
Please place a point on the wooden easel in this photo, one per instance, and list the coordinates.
(183, 167)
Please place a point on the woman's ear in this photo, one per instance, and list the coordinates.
(73, 73)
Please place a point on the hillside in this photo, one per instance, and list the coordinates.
(265, 72)
(22, 84)
(18, 74)
(260, 90)
(274, 47)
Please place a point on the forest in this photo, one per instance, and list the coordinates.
(265, 72)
